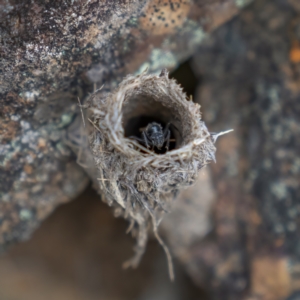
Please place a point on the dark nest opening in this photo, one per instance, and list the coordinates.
(142, 110)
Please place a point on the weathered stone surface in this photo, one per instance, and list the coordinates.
(51, 54)
(249, 73)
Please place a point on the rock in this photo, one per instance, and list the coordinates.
(51, 54)
(249, 72)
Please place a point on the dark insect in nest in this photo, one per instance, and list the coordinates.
(153, 135)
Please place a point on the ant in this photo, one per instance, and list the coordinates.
(154, 135)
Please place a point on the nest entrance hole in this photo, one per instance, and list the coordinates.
(140, 111)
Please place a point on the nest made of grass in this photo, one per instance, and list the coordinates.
(138, 182)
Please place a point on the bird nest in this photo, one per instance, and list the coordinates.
(140, 182)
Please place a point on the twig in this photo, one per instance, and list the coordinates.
(216, 135)
(81, 112)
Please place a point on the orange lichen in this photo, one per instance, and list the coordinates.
(295, 54)
(42, 143)
(270, 278)
(28, 169)
(8, 130)
(164, 16)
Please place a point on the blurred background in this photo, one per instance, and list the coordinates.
(78, 253)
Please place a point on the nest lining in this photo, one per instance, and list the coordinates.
(138, 182)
